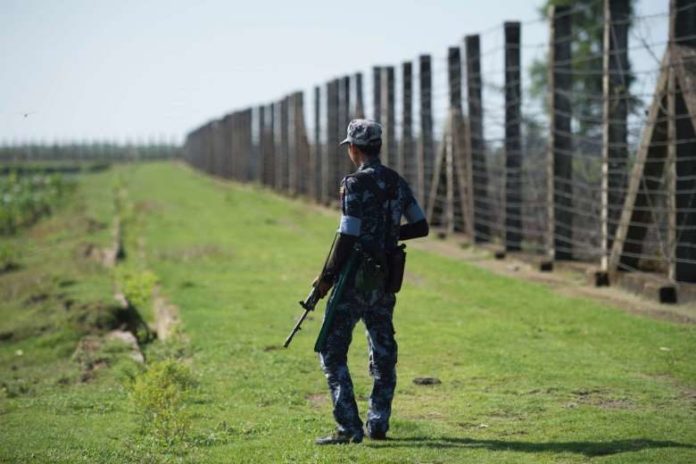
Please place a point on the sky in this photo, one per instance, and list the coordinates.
(155, 69)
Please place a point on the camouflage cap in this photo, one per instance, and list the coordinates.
(363, 132)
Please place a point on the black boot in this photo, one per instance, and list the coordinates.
(340, 438)
(376, 433)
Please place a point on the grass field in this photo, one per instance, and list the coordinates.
(526, 375)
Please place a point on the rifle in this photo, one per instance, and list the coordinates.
(311, 301)
(308, 304)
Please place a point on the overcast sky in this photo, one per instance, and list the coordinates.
(89, 69)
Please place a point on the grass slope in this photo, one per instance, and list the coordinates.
(527, 375)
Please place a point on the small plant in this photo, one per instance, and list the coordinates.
(137, 286)
(159, 395)
(9, 258)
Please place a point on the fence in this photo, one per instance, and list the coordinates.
(586, 177)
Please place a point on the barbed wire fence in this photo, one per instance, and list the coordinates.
(611, 183)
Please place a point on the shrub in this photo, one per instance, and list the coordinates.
(9, 258)
(24, 199)
(137, 286)
(159, 396)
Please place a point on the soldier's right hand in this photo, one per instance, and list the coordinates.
(322, 286)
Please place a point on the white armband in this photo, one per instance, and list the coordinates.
(350, 226)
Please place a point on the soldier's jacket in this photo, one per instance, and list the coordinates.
(363, 215)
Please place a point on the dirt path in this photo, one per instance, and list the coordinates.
(166, 316)
(567, 282)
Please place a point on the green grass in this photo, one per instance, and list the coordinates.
(527, 375)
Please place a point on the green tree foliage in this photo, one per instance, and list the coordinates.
(587, 52)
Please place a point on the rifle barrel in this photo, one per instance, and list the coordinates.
(297, 328)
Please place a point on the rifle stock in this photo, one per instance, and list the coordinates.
(334, 299)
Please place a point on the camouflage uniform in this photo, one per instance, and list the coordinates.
(365, 217)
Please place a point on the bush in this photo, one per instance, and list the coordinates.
(137, 286)
(9, 258)
(24, 199)
(159, 396)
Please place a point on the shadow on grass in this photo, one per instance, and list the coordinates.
(587, 448)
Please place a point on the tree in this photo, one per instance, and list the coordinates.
(587, 50)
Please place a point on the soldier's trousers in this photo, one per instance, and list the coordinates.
(375, 309)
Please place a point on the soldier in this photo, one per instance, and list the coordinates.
(373, 201)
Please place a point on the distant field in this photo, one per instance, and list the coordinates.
(527, 375)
